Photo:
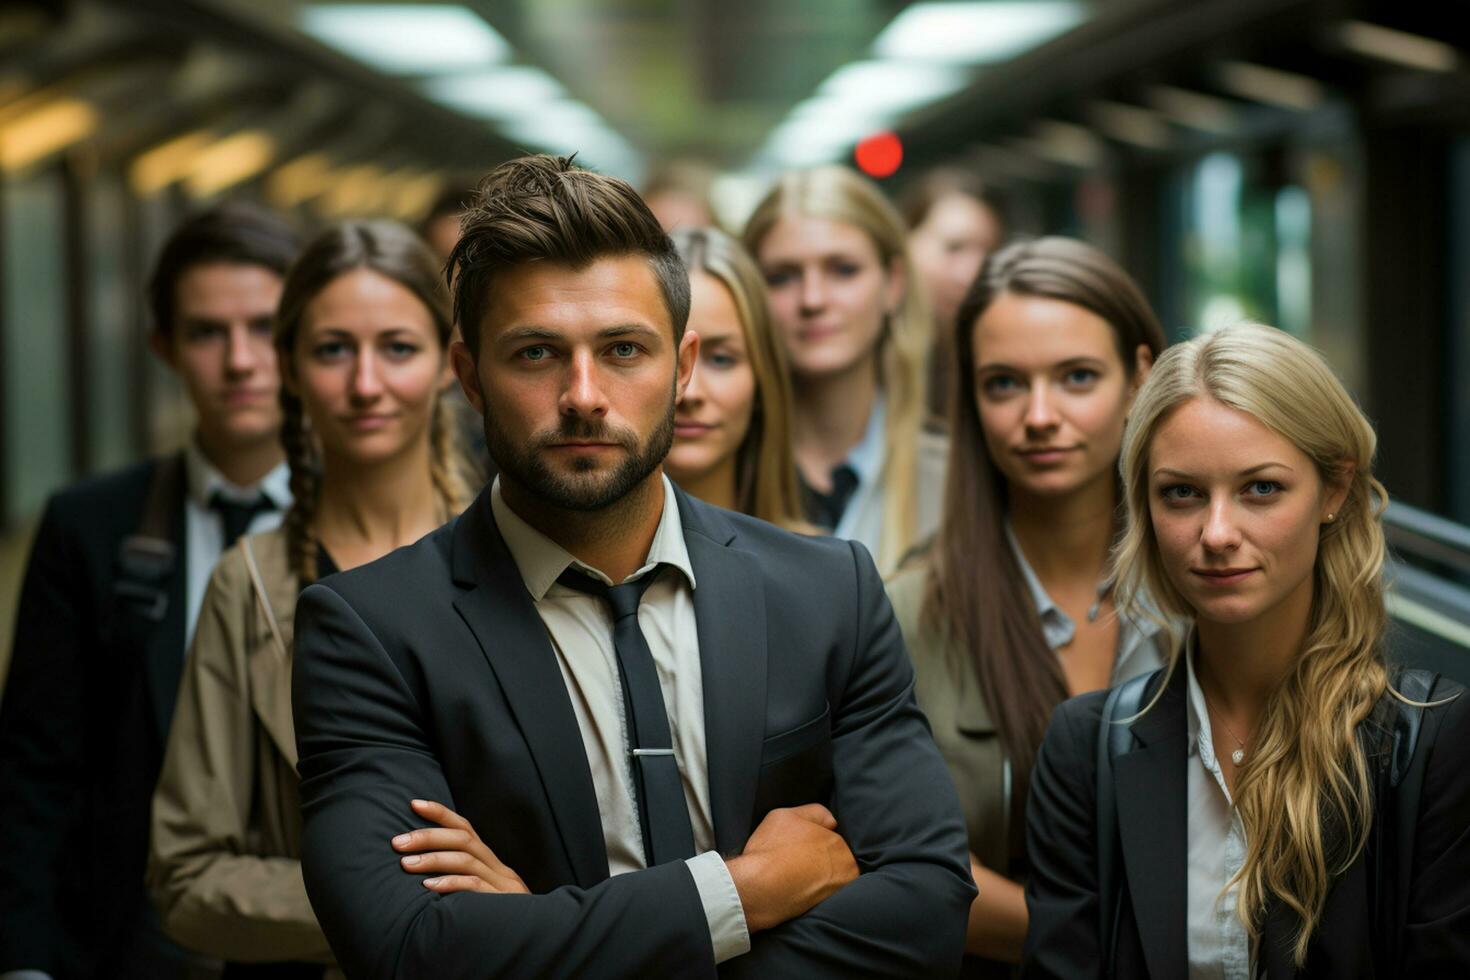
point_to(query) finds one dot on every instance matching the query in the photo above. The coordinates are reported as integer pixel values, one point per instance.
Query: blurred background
(1301, 162)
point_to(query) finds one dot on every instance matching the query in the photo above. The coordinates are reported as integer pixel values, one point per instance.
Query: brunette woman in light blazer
(362, 335)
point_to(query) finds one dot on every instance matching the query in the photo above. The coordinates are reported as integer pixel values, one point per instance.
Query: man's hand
(455, 857)
(793, 861)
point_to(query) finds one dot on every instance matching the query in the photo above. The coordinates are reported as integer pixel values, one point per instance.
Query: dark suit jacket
(429, 674)
(87, 704)
(1150, 787)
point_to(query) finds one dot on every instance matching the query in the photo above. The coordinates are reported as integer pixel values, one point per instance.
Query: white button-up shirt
(1219, 946)
(204, 528)
(581, 631)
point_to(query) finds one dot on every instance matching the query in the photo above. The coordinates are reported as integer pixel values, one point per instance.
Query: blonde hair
(1304, 795)
(838, 194)
(765, 467)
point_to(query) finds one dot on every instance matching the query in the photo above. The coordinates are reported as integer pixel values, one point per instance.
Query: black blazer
(429, 674)
(1150, 786)
(86, 710)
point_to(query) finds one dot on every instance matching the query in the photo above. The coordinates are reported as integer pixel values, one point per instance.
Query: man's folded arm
(364, 753)
(896, 806)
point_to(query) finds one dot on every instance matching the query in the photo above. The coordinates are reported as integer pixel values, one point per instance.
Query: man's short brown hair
(544, 208)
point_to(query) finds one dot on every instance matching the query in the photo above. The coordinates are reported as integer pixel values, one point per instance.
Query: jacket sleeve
(1436, 938)
(42, 741)
(366, 750)
(1061, 821)
(906, 913)
(212, 893)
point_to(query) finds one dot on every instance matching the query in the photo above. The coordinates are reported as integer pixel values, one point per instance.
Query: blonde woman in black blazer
(1270, 818)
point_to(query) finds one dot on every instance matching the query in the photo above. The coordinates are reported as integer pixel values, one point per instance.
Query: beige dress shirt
(581, 631)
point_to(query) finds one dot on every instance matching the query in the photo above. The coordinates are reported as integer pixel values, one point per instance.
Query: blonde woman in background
(856, 331)
(1269, 817)
(362, 334)
(732, 428)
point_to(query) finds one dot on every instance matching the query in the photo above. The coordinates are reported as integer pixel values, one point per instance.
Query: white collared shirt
(581, 631)
(1218, 944)
(866, 460)
(204, 529)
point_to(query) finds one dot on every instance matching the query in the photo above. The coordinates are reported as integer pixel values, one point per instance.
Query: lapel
(165, 644)
(730, 609)
(269, 664)
(1151, 786)
(502, 616)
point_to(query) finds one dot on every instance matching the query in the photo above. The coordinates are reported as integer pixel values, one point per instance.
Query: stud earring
(1331, 518)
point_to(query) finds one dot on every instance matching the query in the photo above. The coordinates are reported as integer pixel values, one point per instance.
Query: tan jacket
(224, 864)
(947, 688)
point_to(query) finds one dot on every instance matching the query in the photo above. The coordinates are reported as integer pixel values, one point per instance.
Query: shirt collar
(1057, 627)
(1197, 715)
(866, 458)
(203, 480)
(541, 560)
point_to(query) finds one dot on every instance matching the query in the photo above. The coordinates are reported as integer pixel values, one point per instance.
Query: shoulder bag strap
(260, 594)
(1113, 739)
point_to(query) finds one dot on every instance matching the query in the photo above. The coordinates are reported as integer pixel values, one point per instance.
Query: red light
(879, 155)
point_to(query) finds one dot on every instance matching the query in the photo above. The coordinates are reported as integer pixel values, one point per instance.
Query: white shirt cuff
(722, 909)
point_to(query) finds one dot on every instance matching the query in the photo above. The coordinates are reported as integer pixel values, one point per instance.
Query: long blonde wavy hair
(839, 194)
(1305, 794)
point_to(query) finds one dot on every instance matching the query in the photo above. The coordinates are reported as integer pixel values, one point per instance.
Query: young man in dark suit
(116, 577)
(673, 741)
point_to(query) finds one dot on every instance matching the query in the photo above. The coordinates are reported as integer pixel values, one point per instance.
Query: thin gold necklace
(1238, 756)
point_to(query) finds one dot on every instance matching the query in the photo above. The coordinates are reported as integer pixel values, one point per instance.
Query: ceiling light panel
(976, 33)
(892, 87)
(1271, 86)
(1399, 47)
(499, 94)
(407, 39)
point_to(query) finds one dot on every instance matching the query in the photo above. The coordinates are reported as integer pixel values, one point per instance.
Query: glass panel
(36, 381)
(108, 367)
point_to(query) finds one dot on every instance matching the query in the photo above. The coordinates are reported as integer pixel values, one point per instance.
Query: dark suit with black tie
(429, 675)
(87, 705)
(99, 651)
(1431, 939)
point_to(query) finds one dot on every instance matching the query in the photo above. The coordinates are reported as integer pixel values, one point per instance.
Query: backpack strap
(146, 559)
(1114, 738)
(1400, 786)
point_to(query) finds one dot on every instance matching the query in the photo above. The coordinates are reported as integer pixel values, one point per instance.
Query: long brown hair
(839, 194)
(391, 250)
(765, 466)
(976, 593)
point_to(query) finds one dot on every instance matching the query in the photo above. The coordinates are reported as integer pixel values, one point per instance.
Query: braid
(446, 459)
(306, 489)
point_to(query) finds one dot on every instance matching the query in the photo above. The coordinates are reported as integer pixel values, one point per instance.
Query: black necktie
(237, 515)
(662, 811)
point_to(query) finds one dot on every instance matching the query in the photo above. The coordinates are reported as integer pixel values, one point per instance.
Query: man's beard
(588, 490)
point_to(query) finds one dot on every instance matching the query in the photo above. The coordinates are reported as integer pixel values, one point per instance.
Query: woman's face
(1237, 511)
(1052, 393)
(949, 246)
(830, 292)
(368, 367)
(713, 417)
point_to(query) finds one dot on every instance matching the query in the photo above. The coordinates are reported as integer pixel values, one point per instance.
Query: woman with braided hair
(362, 334)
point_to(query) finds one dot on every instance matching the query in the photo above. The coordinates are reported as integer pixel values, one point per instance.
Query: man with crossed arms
(641, 736)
